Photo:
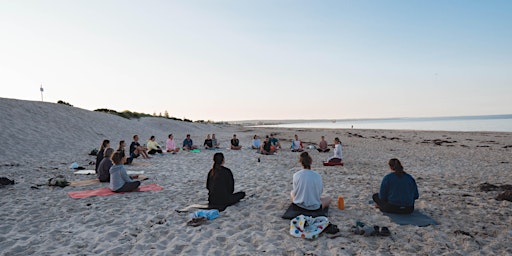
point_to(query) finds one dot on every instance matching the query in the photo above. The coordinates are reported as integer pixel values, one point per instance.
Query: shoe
(196, 221)
(384, 231)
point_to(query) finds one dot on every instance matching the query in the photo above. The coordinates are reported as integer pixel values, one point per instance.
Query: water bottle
(341, 203)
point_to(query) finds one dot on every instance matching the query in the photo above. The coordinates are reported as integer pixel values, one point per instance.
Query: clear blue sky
(240, 60)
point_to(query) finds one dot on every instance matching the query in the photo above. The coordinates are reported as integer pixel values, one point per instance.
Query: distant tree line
(129, 114)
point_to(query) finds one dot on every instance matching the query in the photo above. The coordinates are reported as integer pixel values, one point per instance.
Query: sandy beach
(41, 140)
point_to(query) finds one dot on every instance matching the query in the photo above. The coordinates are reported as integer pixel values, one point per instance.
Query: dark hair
(305, 160)
(218, 158)
(104, 144)
(169, 136)
(152, 137)
(396, 166)
(135, 136)
(120, 145)
(117, 157)
(337, 139)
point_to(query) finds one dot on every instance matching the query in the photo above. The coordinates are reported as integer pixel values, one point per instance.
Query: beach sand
(41, 140)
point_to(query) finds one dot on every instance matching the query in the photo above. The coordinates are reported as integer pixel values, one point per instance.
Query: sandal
(384, 231)
(196, 221)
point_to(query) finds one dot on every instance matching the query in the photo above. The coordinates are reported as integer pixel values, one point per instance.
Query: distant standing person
(221, 185)
(235, 143)
(101, 152)
(119, 179)
(308, 187)
(153, 146)
(322, 145)
(398, 190)
(170, 145)
(337, 157)
(136, 149)
(188, 144)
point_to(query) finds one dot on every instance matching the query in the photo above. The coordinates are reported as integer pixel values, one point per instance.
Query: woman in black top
(221, 185)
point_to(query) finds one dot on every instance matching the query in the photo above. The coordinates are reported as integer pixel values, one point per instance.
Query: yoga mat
(108, 192)
(294, 211)
(416, 218)
(193, 207)
(87, 172)
(81, 183)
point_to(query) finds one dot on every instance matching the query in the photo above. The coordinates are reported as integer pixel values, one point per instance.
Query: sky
(266, 59)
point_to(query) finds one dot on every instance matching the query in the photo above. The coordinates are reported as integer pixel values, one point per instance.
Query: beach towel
(308, 227)
(108, 192)
(88, 172)
(294, 211)
(81, 183)
(416, 218)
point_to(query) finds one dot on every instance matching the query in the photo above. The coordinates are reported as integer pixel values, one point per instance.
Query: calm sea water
(495, 123)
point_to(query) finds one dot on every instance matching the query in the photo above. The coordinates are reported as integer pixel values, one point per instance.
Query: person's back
(307, 189)
(104, 166)
(401, 191)
(220, 185)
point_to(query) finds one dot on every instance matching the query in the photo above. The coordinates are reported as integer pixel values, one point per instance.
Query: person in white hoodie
(119, 179)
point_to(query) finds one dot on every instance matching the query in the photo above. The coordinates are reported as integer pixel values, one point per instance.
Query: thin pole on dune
(42, 90)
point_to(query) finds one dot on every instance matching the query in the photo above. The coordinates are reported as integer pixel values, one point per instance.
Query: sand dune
(40, 140)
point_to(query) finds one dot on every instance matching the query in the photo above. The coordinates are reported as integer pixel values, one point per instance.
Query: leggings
(391, 208)
(129, 186)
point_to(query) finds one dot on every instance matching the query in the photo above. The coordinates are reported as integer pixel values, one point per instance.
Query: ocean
(491, 123)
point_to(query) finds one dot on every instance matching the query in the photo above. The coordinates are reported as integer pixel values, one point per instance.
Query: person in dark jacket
(398, 190)
(221, 185)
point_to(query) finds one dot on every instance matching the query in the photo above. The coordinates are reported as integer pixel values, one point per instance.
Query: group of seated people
(110, 165)
(397, 194)
(398, 190)
(269, 146)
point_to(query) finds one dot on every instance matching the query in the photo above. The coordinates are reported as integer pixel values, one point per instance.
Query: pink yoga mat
(108, 192)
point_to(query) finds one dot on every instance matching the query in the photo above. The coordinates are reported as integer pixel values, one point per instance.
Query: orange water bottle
(341, 203)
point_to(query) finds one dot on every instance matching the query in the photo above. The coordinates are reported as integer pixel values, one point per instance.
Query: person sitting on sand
(170, 145)
(188, 144)
(308, 187)
(153, 146)
(256, 142)
(337, 157)
(121, 147)
(398, 190)
(266, 148)
(297, 144)
(235, 143)
(101, 152)
(104, 167)
(221, 185)
(208, 143)
(119, 179)
(322, 146)
(275, 142)
(136, 149)
(215, 143)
